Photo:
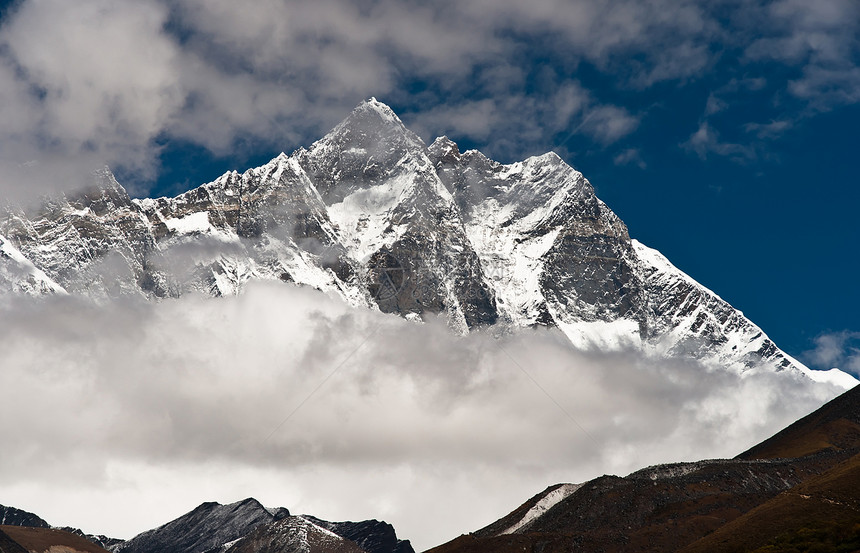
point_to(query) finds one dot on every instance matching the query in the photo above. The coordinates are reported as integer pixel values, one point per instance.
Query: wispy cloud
(773, 129)
(706, 142)
(818, 37)
(630, 156)
(836, 349)
(517, 123)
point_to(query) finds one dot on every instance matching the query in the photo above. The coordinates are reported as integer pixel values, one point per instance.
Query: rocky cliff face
(206, 528)
(10, 516)
(373, 536)
(305, 534)
(95, 243)
(371, 214)
(292, 535)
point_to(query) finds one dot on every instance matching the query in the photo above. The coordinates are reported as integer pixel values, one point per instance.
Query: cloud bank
(129, 413)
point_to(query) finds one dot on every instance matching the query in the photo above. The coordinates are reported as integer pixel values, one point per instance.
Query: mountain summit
(371, 214)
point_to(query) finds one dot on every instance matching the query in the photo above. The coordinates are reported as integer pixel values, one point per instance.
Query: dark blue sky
(723, 132)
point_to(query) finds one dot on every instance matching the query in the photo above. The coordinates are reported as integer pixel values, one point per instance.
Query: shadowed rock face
(248, 527)
(373, 536)
(10, 516)
(307, 534)
(371, 214)
(206, 528)
(292, 535)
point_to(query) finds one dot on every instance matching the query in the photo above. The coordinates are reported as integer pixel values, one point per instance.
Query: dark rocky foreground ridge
(371, 214)
(796, 491)
(242, 527)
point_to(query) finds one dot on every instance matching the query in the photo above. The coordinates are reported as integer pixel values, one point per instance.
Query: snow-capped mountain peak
(369, 213)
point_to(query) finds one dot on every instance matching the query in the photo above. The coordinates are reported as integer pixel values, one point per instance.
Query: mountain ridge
(372, 215)
(244, 526)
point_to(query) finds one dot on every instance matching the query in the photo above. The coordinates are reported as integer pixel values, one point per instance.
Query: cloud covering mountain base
(123, 414)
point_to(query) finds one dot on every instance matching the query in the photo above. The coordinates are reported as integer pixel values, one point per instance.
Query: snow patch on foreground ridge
(542, 506)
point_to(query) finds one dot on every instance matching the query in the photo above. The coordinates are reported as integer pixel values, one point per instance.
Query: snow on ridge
(35, 280)
(542, 506)
(362, 218)
(834, 376)
(315, 526)
(198, 223)
(746, 339)
(512, 266)
(601, 335)
(193, 222)
(658, 261)
(380, 108)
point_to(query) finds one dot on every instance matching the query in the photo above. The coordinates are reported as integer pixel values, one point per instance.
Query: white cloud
(129, 413)
(606, 124)
(630, 156)
(820, 38)
(706, 142)
(770, 130)
(515, 124)
(836, 349)
(827, 88)
(93, 79)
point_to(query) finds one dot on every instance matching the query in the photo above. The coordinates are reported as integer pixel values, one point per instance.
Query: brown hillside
(835, 426)
(821, 514)
(44, 540)
(8, 545)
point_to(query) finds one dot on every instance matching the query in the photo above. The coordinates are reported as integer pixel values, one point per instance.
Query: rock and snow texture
(207, 528)
(10, 516)
(542, 506)
(371, 214)
(248, 527)
(19, 275)
(373, 536)
(296, 534)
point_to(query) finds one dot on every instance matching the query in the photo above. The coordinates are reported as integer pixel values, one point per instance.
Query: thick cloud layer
(121, 416)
